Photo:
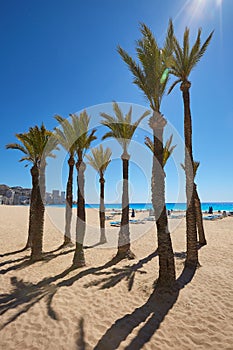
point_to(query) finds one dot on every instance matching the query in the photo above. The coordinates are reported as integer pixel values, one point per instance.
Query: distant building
(63, 197)
(14, 195)
(48, 198)
(18, 195)
(56, 197)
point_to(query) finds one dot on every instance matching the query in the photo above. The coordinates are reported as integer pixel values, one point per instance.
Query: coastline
(180, 207)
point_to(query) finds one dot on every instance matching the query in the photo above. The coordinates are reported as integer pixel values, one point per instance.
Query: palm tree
(84, 138)
(100, 160)
(67, 137)
(151, 76)
(122, 129)
(199, 219)
(184, 60)
(36, 148)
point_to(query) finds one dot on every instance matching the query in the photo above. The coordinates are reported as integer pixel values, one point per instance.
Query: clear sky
(59, 57)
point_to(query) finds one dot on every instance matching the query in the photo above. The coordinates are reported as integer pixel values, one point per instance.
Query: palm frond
(99, 158)
(173, 85)
(167, 149)
(16, 146)
(121, 129)
(184, 59)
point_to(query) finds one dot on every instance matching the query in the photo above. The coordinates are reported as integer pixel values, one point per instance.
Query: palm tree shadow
(93, 245)
(152, 312)
(11, 261)
(25, 294)
(25, 261)
(13, 253)
(116, 275)
(80, 342)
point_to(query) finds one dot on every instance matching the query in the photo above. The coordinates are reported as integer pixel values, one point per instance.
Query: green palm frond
(168, 47)
(173, 85)
(34, 143)
(109, 134)
(151, 74)
(138, 74)
(65, 135)
(82, 136)
(121, 127)
(167, 149)
(184, 58)
(99, 158)
(17, 146)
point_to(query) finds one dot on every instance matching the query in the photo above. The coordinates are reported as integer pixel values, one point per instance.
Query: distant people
(224, 214)
(169, 212)
(133, 213)
(210, 210)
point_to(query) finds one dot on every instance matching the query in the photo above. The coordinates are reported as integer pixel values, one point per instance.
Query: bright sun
(197, 10)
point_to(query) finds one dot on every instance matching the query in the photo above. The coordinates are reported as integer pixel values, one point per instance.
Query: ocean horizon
(227, 206)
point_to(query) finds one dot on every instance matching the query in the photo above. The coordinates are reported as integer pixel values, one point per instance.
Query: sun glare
(196, 11)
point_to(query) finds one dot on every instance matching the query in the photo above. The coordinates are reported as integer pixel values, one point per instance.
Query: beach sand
(47, 306)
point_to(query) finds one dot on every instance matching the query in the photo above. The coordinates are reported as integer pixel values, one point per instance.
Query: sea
(217, 206)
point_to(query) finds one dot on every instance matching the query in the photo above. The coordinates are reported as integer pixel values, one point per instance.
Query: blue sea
(227, 206)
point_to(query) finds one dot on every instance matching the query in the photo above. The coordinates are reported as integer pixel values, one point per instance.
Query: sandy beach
(103, 306)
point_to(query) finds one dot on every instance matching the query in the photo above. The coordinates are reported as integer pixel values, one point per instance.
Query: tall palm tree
(99, 160)
(184, 60)
(151, 76)
(84, 138)
(34, 145)
(66, 137)
(122, 129)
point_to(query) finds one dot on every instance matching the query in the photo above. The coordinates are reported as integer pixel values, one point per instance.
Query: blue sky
(59, 57)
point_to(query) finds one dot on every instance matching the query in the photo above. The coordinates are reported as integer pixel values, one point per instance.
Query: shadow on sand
(116, 275)
(25, 261)
(25, 294)
(152, 313)
(80, 342)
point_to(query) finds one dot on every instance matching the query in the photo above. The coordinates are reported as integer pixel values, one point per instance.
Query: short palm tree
(151, 76)
(122, 129)
(184, 60)
(99, 160)
(199, 218)
(66, 137)
(167, 150)
(36, 148)
(198, 211)
(84, 138)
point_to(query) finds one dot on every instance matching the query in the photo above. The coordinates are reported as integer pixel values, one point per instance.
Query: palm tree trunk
(42, 179)
(79, 259)
(69, 202)
(32, 215)
(37, 220)
(165, 251)
(124, 235)
(102, 210)
(191, 229)
(199, 219)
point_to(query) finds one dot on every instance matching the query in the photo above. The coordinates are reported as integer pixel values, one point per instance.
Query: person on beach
(210, 210)
(133, 213)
